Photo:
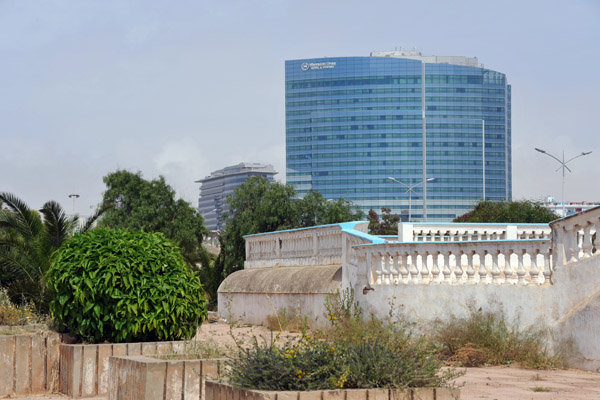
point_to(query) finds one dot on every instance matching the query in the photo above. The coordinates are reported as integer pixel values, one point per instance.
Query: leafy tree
(142, 205)
(256, 206)
(314, 209)
(27, 242)
(508, 212)
(388, 225)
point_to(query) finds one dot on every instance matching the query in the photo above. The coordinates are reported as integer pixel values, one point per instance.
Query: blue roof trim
(349, 229)
(343, 225)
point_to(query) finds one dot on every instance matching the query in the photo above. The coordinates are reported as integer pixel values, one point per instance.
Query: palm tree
(27, 242)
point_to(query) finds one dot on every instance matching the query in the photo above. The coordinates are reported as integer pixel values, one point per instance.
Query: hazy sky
(182, 88)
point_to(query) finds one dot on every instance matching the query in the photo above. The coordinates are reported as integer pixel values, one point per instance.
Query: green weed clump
(121, 286)
(287, 320)
(355, 353)
(486, 338)
(15, 315)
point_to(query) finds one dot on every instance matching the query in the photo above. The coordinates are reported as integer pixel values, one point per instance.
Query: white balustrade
(306, 246)
(453, 232)
(575, 237)
(506, 262)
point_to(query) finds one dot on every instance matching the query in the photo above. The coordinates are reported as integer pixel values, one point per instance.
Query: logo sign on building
(323, 65)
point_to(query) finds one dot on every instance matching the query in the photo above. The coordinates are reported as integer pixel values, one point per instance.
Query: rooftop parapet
(416, 55)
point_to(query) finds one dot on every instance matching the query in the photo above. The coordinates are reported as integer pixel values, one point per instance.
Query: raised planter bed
(29, 362)
(142, 377)
(84, 367)
(221, 391)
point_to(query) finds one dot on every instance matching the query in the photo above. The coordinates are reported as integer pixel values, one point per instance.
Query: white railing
(575, 237)
(456, 232)
(319, 245)
(514, 262)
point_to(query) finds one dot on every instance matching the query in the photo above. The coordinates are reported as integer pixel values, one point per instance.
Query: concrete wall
(255, 308)
(221, 391)
(141, 377)
(29, 363)
(253, 295)
(84, 368)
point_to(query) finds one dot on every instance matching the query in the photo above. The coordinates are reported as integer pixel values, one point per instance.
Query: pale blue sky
(182, 88)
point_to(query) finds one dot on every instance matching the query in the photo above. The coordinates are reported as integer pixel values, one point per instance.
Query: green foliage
(388, 225)
(124, 286)
(26, 244)
(508, 212)
(485, 337)
(142, 205)
(354, 356)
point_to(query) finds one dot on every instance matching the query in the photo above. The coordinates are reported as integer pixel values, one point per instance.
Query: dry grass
(290, 321)
(486, 338)
(541, 389)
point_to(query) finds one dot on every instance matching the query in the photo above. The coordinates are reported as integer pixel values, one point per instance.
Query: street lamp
(410, 191)
(74, 196)
(563, 165)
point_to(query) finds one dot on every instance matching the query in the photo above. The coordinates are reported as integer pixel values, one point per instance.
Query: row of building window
(333, 193)
(368, 127)
(406, 99)
(398, 108)
(438, 181)
(393, 145)
(486, 78)
(394, 162)
(403, 135)
(400, 171)
(387, 117)
(353, 92)
(433, 153)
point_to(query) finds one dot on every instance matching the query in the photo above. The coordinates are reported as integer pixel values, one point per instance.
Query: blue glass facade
(351, 122)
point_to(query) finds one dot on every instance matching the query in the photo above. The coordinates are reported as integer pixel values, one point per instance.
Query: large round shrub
(124, 286)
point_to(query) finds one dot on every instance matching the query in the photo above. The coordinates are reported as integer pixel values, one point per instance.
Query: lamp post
(410, 191)
(563, 166)
(74, 196)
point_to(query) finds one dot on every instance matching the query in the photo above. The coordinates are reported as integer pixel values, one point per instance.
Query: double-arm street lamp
(74, 196)
(563, 166)
(409, 190)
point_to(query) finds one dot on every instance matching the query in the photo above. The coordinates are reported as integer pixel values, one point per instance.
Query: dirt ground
(501, 383)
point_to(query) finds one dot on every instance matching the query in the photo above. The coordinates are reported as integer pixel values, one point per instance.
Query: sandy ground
(501, 383)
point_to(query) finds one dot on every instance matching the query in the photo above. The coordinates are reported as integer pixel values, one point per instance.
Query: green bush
(317, 364)
(124, 286)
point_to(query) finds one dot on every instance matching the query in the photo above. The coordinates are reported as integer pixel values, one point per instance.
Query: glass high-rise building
(352, 122)
(214, 189)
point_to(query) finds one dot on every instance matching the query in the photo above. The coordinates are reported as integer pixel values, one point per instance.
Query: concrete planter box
(141, 377)
(221, 391)
(84, 368)
(29, 363)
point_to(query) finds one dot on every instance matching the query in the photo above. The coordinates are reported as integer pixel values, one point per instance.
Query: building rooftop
(417, 55)
(240, 168)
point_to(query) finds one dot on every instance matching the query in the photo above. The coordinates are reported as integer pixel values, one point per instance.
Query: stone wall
(141, 377)
(29, 363)
(221, 391)
(84, 368)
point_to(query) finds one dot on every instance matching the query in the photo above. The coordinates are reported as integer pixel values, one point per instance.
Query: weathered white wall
(254, 308)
